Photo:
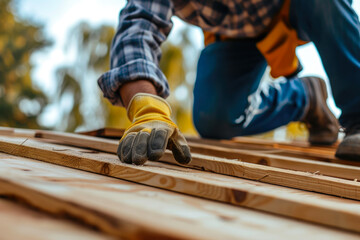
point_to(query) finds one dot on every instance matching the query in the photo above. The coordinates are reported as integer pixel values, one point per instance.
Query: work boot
(349, 148)
(321, 122)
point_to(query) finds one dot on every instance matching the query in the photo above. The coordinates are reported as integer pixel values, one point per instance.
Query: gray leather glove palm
(151, 132)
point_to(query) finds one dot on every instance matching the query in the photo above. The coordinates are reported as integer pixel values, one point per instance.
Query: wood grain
(293, 203)
(105, 133)
(19, 222)
(298, 145)
(338, 170)
(110, 198)
(19, 132)
(306, 180)
(301, 150)
(243, 149)
(286, 151)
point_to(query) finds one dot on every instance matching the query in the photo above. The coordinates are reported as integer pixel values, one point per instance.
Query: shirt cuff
(111, 81)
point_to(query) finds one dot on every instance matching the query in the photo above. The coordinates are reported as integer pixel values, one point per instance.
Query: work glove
(151, 132)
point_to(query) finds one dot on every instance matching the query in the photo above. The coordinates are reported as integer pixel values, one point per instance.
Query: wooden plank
(19, 132)
(205, 219)
(300, 144)
(305, 146)
(87, 204)
(294, 149)
(289, 152)
(328, 169)
(294, 203)
(114, 133)
(295, 179)
(78, 140)
(19, 222)
(339, 170)
(105, 133)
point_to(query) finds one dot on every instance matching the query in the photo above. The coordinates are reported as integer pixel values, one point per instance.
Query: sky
(60, 16)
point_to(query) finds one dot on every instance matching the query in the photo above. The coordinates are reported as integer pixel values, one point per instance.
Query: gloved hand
(151, 132)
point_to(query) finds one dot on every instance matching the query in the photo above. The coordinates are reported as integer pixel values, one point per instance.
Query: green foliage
(77, 80)
(173, 64)
(20, 102)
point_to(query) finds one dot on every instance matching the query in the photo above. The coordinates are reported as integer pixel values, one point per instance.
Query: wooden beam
(339, 170)
(19, 132)
(105, 133)
(107, 200)
(19, 222)
(299, 145)
(286, 151)
(294, 149)
(85, 203)
(310, 179)
(272, 143)
(195, 142)
(294, 203)
(78, 140)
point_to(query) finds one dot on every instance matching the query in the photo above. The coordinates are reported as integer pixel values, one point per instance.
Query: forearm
(129, 89)
(135, 51)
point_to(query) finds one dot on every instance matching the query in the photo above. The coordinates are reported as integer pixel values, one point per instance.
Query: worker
(242, 38)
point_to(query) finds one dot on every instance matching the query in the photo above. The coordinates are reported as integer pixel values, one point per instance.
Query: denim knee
(215, 124)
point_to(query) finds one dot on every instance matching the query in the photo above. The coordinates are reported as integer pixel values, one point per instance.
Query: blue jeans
(228, 101)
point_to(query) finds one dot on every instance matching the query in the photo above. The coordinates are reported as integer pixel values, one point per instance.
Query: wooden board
(296, 179)
(302, 150)
(105, 132)
(19, 222)
(238, 150)
(292, 149)
(293, 203)
(299, 145)
(292, 152)
(128, 208)
(339, 170)
(19, 132)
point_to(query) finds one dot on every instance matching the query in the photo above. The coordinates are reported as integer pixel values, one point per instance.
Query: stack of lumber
(72, 186)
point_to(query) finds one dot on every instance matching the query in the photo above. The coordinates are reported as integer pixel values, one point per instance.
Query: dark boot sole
(349, 149)
(352, 157)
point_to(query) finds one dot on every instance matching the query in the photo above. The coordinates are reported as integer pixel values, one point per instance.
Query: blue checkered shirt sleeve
(135, 51)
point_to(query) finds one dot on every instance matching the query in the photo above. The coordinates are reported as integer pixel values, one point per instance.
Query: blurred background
(52, 52)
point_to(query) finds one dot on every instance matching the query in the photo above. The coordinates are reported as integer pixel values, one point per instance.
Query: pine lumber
(57, 189)
(300, 144)
(294, 152)
(20, 222)
(19, 132)
(310, 181)
(114, 133)
(317, 208)
(117, 133)
(338, 170)
(301, 150)
(105, 133)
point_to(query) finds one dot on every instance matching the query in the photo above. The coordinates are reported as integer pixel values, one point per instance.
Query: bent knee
(214, 126)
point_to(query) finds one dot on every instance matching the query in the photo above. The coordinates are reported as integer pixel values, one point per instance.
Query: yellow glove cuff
(145, 107)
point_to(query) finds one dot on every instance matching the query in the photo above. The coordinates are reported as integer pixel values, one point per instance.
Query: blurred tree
(179, 68)
(20, 101)
(77, 81)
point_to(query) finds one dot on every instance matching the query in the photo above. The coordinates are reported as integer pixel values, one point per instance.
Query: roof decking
(239, 189)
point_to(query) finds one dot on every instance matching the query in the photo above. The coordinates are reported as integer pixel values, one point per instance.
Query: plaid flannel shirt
(145, 24)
